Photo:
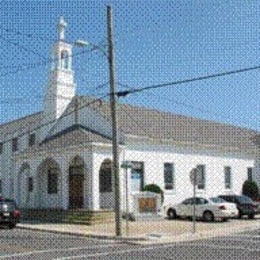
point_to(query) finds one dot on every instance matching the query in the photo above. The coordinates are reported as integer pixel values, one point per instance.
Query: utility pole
(115, 139)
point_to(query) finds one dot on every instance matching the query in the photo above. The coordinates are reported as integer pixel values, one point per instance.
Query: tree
(250, 189)
(154, 188)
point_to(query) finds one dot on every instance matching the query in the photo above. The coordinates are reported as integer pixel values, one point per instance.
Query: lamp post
(113, 106)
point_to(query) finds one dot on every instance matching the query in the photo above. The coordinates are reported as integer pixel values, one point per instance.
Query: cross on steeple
(61, 28)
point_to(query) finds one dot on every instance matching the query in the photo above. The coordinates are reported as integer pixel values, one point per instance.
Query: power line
(28, 66)
(28, 35)
(53, 121)
(22, 47)
(13, 100)
(178, 82)
(179, 103)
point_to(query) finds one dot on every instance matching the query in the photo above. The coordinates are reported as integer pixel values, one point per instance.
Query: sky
(156, 42)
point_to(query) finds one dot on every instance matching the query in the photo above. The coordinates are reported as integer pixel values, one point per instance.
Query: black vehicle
(9, 214)
(244, 204)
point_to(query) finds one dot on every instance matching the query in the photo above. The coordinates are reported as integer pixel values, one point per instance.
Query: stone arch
(77, 177)
(48, 183)
(107, 197)
(23, 188)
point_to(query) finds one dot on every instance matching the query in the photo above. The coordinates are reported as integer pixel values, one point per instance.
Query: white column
(94, 180)
(15, 175)
(64, 186)
(33, 194)
(95, 190)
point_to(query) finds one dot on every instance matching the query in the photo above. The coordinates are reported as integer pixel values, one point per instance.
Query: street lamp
(113, 98)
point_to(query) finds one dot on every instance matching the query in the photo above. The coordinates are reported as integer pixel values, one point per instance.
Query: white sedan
(207, 209)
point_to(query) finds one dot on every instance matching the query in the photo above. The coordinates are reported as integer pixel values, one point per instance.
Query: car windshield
(7, 205)
(217, 200)
(244, 199)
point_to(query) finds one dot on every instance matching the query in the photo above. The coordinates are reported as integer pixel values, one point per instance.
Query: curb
(99, 236)
(154, 238)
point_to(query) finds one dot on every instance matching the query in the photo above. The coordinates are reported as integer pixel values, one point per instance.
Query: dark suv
(9, 214)
(244, 204)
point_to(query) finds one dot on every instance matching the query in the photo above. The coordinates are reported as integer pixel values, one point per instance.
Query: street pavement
(23, 244)
(148, 232)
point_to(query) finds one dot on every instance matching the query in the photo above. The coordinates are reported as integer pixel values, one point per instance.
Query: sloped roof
(73, 136)
(21, 125)
(144, 122)
(141, 121)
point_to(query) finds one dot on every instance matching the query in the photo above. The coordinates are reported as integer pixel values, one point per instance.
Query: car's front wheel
(208, 216)
(251, 216)
(171, 213)
(12, 225)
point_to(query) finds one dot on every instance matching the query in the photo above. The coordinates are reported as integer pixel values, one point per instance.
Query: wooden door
(76, 197)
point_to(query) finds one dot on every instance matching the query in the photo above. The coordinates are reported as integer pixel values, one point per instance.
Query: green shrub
(250, 189)
(154, 188)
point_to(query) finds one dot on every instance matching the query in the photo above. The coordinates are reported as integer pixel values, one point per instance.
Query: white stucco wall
(184, 160)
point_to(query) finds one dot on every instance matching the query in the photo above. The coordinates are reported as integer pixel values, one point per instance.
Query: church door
(76, 188)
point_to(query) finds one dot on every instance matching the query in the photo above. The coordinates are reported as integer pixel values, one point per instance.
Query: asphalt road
(25, 244)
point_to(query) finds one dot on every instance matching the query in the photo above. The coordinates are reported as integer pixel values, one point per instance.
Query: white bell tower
(61, 86)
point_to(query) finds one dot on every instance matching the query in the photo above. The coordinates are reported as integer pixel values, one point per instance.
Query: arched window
(105, 177)
(52, 180)
(64, 59)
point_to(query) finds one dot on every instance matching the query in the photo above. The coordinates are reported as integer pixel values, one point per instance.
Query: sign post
(126, 165)
(194, 181)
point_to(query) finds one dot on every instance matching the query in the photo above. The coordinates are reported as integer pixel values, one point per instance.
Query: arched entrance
(23, 188)
(107, 196)
(48, 184)
(76, 183)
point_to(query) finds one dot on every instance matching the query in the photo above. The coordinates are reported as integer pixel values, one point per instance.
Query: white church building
(60, 158)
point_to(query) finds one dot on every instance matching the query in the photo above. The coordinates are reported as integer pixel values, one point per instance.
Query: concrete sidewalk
(151, 231)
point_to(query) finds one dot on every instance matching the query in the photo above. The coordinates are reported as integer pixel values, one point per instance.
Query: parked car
(207, 209)
(9, 213)
(244, 204)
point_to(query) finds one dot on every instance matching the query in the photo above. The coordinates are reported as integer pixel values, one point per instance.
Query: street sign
(126, 165)
(193, 176)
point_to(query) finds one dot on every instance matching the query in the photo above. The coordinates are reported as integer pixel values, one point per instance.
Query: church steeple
(61, 86)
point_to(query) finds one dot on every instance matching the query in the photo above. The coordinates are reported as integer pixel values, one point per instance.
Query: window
(227, 173)
(65, 59)
(14, 144)
(1, 188)
(31, 140)
(105, 177)
(30, 184)
(1, 147)
(201, 176)
(53, 180)
(137, 176)
(249, 173)
(168, 176)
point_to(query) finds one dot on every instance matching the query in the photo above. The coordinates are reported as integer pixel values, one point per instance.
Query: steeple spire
(61, 86)
(61, 28)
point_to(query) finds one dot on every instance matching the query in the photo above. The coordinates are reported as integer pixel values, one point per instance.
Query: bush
(250, 189)
(154, 188)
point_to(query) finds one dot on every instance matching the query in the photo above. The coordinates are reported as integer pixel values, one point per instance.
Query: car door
(183, 208)
(201, 204)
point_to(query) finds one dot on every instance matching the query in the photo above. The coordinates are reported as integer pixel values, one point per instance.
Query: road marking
(154, 248)
(246, 248)
(57, 250)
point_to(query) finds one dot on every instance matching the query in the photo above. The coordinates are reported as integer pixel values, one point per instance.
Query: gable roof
(21, 125)
(143, 122)
(73, 136)
(158, 125)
